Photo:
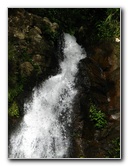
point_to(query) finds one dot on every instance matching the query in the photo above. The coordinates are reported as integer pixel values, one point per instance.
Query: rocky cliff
(33, 57)
(32, 48)
(97, 105)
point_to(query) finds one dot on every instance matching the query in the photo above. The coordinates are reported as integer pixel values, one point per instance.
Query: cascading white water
(44, 130)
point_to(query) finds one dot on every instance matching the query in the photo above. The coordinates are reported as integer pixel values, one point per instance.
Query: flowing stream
(45, 129)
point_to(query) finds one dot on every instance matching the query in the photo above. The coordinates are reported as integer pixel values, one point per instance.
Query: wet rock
(99, 80)
(38, 30)
(47, 21)
(90, 76)
(26, 68)
(115, 116)
(114, 90)
(34, 34)
(92, 87)
(81, 30)
(101, 55)
(33, 42)
(19, 34)
(97, 135)
(37, 59)
(54, 27)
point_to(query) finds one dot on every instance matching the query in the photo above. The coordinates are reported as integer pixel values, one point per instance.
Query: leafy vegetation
(109, 28)
(97, 117)
(12, 93)
(15, 86)
(14, 110)
(98, 23)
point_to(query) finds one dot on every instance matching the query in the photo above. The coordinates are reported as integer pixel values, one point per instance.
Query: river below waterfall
(45, 129)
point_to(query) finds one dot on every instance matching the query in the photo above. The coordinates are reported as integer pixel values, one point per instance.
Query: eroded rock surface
(32, 55)
(98, 82)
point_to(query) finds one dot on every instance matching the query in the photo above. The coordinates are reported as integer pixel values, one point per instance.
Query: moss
(13, 110)
(97, 116)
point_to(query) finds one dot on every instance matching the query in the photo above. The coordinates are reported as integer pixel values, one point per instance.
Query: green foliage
(97, 117)
(49, 33)
(99, 23)
(114, 151)
(15, 83)
(109, 28)
(70, 19)
(12, 59)
(25, 56)
(15, 87)
(11, 52)
(14, 92)
(37, 69)
(13, 110)
(12, 64)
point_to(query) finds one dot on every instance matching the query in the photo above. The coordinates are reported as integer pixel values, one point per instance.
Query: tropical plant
(97, 116)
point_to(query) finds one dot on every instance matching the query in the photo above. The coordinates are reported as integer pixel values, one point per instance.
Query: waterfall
(45, 129)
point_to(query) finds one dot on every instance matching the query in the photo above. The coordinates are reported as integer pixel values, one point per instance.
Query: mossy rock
(14, 110)
(26, 68)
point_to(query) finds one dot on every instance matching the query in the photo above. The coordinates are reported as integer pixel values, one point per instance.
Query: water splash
(44, 130)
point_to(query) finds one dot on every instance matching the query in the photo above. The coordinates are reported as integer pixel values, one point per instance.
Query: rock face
(32, 54)
(26, 68)
(111, 71)
(33, 57)
(98, 83)
(92, 89)
(28, 35)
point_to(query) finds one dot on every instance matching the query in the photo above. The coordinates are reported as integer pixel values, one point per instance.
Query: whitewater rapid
(44, 131)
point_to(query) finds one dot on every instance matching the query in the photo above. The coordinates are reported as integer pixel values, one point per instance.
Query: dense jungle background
(34, 52)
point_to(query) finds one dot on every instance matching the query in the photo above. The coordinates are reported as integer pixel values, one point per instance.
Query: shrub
(109, 28)
(14, 92)
(13, 110)
(97, 117)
